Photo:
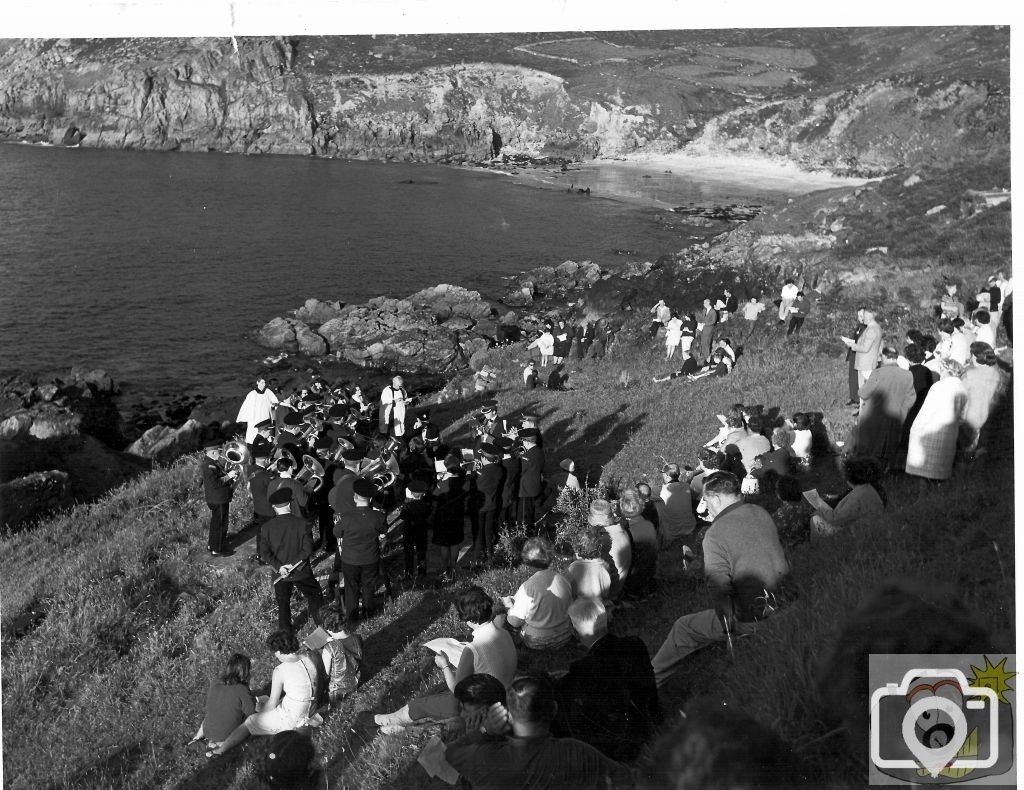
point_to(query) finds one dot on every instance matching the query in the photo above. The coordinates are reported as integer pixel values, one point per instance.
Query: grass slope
(105, 690)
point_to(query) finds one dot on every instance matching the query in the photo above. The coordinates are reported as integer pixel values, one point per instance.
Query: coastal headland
(114, 615)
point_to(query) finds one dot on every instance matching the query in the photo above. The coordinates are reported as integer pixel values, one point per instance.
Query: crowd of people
(328, 461)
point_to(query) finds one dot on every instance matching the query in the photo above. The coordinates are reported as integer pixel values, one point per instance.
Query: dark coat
(216, 488)
(531, 476)
(489, 483)
(888, 395)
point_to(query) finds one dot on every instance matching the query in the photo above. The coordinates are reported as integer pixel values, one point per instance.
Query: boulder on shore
(25, 499)
(163, 444)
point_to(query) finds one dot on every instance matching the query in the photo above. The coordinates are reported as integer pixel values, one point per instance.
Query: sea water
(158, 266)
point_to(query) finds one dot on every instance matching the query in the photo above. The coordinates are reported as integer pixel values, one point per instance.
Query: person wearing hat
(450, 514)
(509, 501)
(617, 549)
(745, 566)
(286, 545)
(530, 375)
(284, 473)
(531, 477)
(218, 488)
(259, 405)
(421, 425)
(415, 515)
(572, 482)
(264, 431)
(358, 532)
(340, 497)
(259, 483)
(393, 399)
(489, 483)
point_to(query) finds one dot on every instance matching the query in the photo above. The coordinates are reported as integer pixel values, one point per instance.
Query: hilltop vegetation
(862, 100)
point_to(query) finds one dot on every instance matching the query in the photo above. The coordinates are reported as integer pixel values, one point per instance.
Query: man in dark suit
(259, 480)
(531, 476)
(706, 325)
(608, 698)
(286, 546)
(358, 531)
(218, 487)
(489, 483)
(510, 489)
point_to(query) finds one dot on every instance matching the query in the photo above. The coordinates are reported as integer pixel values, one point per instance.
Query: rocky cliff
(865, 100)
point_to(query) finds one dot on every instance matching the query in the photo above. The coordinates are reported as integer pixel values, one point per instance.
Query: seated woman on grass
(862, 506)
(491, 652)
(228, 702)
(781, 459)
(589, 574)
(540, 606)
(293, 696)
(689, 368)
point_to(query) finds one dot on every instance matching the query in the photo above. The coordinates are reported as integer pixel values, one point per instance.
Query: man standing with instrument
(393, 399)
(286, 546)
(218, 487)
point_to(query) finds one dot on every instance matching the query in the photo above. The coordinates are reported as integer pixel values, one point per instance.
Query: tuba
(383, 480)
(314, 424)
(311, 476)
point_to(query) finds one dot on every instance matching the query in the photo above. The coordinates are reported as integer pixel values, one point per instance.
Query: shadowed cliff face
(863, 101)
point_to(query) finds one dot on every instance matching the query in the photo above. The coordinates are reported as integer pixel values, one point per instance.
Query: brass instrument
(284, 453)
(314, 424)
(236, 453)
(383, 480)
(311, 476)
(341, 444)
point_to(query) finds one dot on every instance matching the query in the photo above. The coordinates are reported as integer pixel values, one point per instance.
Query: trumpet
(311, 476)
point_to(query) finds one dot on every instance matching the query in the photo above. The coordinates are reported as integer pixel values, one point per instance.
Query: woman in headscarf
(933, 436)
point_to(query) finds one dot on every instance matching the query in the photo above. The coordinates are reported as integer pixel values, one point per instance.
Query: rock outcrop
(58, 443)
(852, 100)
(551, 282)
(163, 444)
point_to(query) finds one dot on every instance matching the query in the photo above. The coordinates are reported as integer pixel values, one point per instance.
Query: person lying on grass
(515, 747)
(228, 702)
(491, 652)
(293, 696)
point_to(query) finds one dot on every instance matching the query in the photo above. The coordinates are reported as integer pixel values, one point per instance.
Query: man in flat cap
(286, 546)
(218, 487)
(531, 476)
(258, 406)
(359, 531)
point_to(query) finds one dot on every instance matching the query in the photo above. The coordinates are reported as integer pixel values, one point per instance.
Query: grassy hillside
(107, 683)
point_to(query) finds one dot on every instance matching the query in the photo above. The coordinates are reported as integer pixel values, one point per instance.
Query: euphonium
(311, 476)
(341, 444)
(383, 480)
(236, 453)
(313, 426)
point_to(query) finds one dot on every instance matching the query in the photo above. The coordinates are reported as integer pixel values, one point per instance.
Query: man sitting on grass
(744, 565)
(608, 698)
(516, 748)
